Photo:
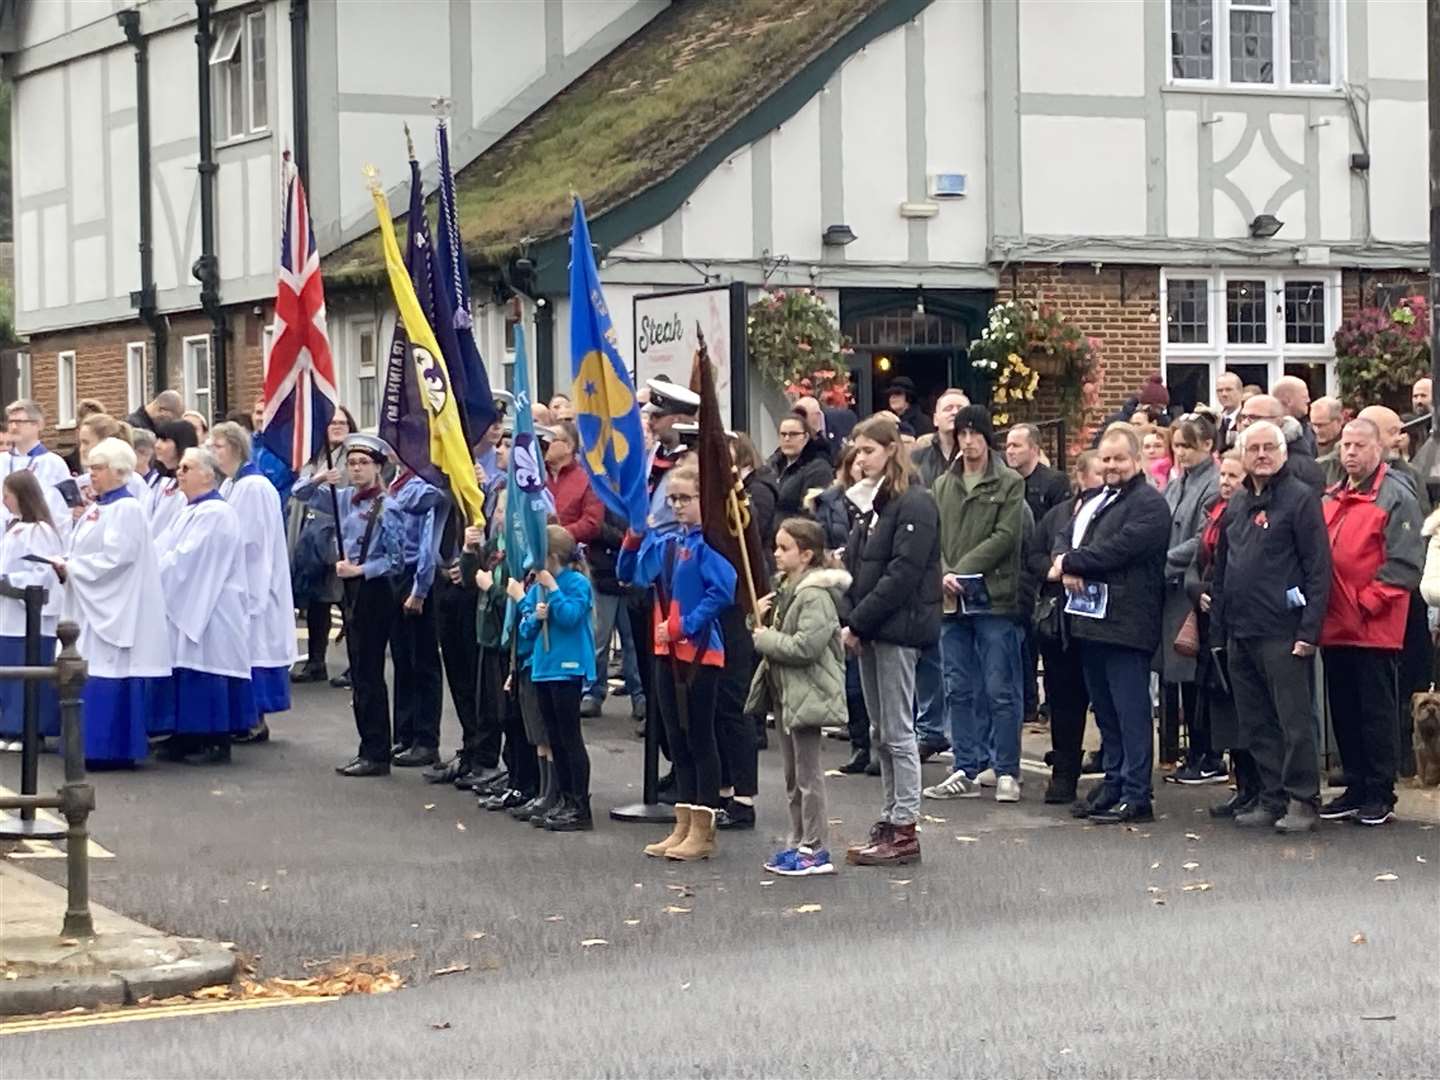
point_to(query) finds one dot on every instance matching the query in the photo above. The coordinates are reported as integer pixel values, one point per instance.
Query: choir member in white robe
(172, 439)
(202, 573)
(23, 420)
(31, 533)
(146, 470)
(112, 589)
(267, 572)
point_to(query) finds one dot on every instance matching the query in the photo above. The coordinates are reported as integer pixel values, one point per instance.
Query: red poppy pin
(1262, 520)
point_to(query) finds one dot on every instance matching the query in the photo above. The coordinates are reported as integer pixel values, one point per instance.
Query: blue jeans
(986, 696)
(930, 697)
(1118, 679)
(606, 621)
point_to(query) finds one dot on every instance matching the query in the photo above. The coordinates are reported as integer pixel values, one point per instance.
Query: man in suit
(1227, 392)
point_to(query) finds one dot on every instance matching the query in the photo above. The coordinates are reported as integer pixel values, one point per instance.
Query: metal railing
(75, 798)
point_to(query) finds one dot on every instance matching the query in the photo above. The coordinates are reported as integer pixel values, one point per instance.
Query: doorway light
(883, 363)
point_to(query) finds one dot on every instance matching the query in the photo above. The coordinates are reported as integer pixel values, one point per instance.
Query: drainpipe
(144, 299)
(299, 82)
(207, 268)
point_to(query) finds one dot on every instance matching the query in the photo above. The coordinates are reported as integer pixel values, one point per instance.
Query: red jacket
(1376, 555)
(577, 508)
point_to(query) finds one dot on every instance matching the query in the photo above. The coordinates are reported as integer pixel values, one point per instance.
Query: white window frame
(367, 373)
(1275, 353)
(199, 399)
(135, 358)
(23, 374)
(1220, 52)
(65, 379)
(232, 67)
(267, 346)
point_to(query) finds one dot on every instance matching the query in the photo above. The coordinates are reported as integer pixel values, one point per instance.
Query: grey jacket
(801, 676)
(1189, 496)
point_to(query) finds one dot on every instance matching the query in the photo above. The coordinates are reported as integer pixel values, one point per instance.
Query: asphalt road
(1032, 949)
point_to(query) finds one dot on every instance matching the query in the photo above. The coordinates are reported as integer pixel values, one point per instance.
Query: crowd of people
(937, 586)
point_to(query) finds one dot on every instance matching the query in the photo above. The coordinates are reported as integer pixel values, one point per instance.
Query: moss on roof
(629, 123)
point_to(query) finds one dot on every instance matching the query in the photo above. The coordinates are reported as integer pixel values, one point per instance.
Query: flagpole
(739, 521)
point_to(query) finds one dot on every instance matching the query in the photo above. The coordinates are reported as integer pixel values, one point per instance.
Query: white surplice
(166, 505)
(202, 574)
(267, 570)
(50, 469)
(30, 538)
(113, 591)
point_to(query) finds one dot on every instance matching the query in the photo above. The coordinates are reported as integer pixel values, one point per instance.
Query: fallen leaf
(476, 935)
(1190, 866)
(441, 1027)
(1154, 890)
(69, 941)
(806, 909)
(639, 885)
(764, 884)
(1192, 836)
(968, 839)
(1421, 859)
(590, 942)
(453, 969)
(1197, 886)
(414, 926)
(1387, 877)
(1154, 866)
(1359, 939)
(264, 888)
(672, 909)
(281, 872)
(554, 918)
(632, 922)
(429, 806)
(1066, 1050)
(932, 820)
(212, 993)
(684, 986)
(833, 772)
(901, 881)
(216, 791)
(683, 890)
(836, 821)
(1379, 1016)
(460, 825)
(1158, 901)
(1426, 828)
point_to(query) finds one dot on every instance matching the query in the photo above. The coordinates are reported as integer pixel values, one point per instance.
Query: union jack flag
(300, 396)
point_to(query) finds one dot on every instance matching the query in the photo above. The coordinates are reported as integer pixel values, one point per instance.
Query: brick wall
(100, 362)
(1359, 288)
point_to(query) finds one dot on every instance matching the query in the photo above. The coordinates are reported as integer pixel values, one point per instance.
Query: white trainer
(986, 778)
(955, 786)
(1007, 789)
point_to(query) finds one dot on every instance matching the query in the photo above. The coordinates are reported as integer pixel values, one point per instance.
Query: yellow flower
(1002, 418)
(1013, 359)
(1001, 394)
(1034, 381)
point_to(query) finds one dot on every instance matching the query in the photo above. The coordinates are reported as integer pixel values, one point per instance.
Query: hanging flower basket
(1380, 352)
(793, 337)
(1024, 347)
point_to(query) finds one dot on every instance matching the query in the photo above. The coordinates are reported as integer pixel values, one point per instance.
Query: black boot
(527, 809)
(1247, 788)
(547, 804)
(1060, 790)
(572, 815)
(858, 763)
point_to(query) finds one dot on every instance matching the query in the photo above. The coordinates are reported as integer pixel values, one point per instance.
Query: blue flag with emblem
(613, 442)
(528, 505)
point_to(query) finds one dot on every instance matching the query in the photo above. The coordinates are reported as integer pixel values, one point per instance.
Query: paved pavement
(1034, 946)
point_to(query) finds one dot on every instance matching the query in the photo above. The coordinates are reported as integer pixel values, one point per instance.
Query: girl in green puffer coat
(801, 679)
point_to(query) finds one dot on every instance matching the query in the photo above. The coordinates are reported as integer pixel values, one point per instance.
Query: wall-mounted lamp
(1265, 226)
(838, 235)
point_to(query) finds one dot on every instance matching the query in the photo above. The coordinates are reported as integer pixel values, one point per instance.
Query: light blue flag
(527, 501)
(606, 413)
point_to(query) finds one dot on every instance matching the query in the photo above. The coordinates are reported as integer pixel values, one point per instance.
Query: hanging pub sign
(665, 341)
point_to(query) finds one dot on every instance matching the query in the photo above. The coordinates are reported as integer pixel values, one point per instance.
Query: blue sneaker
(808, 864)
(782, 862)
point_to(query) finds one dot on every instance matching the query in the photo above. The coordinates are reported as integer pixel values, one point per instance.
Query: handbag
(1049, 618)
(1187, 639)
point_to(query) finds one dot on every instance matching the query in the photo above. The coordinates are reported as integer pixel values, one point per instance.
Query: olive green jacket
(801, 677)
(981, 529)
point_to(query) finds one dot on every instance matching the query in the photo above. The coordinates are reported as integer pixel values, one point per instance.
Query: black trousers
(1030, 668)
(1362, 687)
(857, 717)
(317, 632)
(1069, 701)
(560, 706)
(692, 737)
(521, 761)
(642, 631)
(735, 733)
(455, 627)
(371, 616)
(419, 685)
(492, 711)
(1179, 706)
(1417, 672)
(1271, 687)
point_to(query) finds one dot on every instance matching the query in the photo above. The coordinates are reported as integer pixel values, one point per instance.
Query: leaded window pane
(1305, 313)
(1252, 46)
(1245, 312)
(1187, 310)
(1192, 39)
(1310, 41)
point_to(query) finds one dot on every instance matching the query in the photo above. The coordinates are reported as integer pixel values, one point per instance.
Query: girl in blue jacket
(555, 617)
(694, 584)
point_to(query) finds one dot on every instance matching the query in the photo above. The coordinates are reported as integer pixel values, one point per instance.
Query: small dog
(1425, 713)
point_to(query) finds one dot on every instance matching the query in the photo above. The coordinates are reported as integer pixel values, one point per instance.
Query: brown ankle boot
(901, 847)
(677, 834)
(699, 842)
(878, 832)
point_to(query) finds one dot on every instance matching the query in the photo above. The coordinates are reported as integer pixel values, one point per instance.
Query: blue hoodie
(571, 652)
(697, 586)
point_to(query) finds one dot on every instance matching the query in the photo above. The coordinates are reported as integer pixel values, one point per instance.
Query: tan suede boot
(677, 834)
(699, 843)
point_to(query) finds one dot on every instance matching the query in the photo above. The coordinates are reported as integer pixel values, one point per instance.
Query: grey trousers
(805, 787)
(1271, 687)
(887, 679)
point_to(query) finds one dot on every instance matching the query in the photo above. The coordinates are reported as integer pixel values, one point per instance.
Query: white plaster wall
(27, 262)
(955, 125)
(87, 194)
(513, 33)
(718, 214)
(1335, 180)
(367, 36)
(174, 97)
(39, 154)
(175, 199)
(90, 261)
(264, 218)
(41, 22)
(125, 224)
(1399, 165)
(1082, 176)
(120, 78)
(1395, 30)
(585, 18)
(379, 141)
(872, 84)
(1070, 47)
(1182, 173)
(55, 257)
(795, 225)
(230, 219)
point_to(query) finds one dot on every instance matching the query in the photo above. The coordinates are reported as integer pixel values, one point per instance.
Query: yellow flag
(447, 438)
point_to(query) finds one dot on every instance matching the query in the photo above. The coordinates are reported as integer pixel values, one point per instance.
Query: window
(197, 375)
(1258, 324)
(22, 375)
(267, 346)
(65, 390)
(135, 374)
(368, 381)
(511, 322)
(1254, 43)
(238, 67)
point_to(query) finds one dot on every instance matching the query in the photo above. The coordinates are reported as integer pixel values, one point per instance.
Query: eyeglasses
(680, 500)
(791, 434)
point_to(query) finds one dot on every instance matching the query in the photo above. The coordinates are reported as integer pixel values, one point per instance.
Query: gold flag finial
(372, 178)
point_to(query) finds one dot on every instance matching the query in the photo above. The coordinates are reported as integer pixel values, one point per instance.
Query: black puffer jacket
(1124, 546)
(763, 493)
(812, 469)
(836, 515)
(893, 555)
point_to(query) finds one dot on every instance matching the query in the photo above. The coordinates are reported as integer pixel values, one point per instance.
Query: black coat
(812, 469)
(836, 515)
(893, 555)
(762, 491)
(1045, 488)
(917, 420)
(601, 555)
(1124, 547)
